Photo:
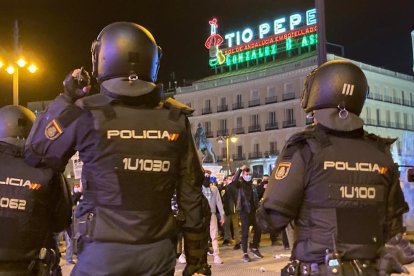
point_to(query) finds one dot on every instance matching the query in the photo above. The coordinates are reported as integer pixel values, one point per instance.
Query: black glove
(191, 269)
(396, 253)
(263, 220)
(76, 84)
(196, 247)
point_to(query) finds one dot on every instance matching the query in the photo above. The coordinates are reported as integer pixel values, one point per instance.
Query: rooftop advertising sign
(283, 34)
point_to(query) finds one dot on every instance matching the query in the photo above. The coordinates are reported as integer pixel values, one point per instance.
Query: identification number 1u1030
(147, 165)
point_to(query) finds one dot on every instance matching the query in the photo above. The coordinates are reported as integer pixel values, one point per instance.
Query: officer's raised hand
(77, 84)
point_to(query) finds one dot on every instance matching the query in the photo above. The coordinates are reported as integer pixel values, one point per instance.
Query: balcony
(289, 123)
(255, 155)
(255, 102)
(387, 99)
(239, 130)
(255, 128)
(269, 100)
(223, 132)
(206, 110)
(238, 105)
(222, 108)
(288, 96)
(271, 153)
(238, 156)
(271, 125)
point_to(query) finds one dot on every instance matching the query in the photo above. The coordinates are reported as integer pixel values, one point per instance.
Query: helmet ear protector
(95, 52)
(306, 88)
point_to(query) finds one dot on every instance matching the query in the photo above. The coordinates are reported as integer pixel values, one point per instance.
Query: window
(239, 99)
(254, 95)
(254, 120)
(256, 148)
(239, 122)
(289, 115)
(207, 128)
(223, 101)
(405, 116)
(397, 119)
(289, 88)
(272, 118)
(207, 104)
(273, 147)
(223, 124)
(271, 92)
(388, 118)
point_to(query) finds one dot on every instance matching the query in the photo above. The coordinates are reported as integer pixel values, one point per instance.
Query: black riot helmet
(127, 51)
(15, 121)
(336, 83)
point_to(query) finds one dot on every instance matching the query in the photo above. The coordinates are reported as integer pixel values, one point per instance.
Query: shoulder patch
(282, 170)
(53, 130)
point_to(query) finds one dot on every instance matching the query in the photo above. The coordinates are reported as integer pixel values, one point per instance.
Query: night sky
(59, 33)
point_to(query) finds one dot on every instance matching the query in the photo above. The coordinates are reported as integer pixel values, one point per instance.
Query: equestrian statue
(204, 146)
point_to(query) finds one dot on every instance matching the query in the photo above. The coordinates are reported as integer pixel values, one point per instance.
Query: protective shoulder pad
(382, 143)
(94, 101)
(295, 142)
(171, 103)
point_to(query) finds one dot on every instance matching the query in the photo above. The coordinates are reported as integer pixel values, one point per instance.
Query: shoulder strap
(300, 139)
(101, 102)
(382, 143)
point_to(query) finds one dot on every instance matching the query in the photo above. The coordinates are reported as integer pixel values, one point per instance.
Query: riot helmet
(124, 54)
(15, 121)
(335, 84)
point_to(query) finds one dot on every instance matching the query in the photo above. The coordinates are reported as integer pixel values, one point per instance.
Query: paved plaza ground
(233, 264)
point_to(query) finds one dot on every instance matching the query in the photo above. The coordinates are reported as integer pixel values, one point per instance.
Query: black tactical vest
(347, 183)
(131, 175)
(27, 201)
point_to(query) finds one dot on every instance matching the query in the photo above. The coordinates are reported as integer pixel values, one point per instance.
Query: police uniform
(33, 205)
(341, 187)
(133, 160)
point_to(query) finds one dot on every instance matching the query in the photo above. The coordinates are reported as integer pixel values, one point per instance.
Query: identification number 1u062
(147, 165)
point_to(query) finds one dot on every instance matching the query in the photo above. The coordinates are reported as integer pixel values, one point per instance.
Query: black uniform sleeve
(195, 208)
(397, 206)
(54, 135)
(189, 193)
(285, 191)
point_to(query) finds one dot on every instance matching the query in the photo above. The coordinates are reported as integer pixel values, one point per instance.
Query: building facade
(261, 106)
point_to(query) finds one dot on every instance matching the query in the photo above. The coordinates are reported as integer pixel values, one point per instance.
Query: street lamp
(226, 139)
(13, 69)
(16, 61)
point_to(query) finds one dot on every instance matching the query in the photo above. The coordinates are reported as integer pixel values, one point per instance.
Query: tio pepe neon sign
(297, 30)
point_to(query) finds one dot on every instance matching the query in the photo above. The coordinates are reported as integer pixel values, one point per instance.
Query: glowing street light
(10, 69)
(16, 61)
(225, 139)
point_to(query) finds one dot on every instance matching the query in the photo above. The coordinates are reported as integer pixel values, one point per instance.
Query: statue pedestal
(215, 170)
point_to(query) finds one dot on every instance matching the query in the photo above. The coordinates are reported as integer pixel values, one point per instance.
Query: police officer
(339, 184)
(32, 203)
(136, 150)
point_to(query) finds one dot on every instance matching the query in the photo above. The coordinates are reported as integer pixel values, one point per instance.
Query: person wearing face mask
(247, 201)
(212, 194)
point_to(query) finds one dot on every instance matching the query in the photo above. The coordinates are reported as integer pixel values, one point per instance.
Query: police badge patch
(282, 170)
(53, 130)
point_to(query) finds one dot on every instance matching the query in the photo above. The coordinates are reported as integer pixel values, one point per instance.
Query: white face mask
(247, 178)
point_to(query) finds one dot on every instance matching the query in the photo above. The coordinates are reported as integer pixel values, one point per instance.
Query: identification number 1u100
(147, 165)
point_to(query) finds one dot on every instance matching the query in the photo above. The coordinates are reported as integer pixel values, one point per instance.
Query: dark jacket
(244, 194)
(134, 157)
